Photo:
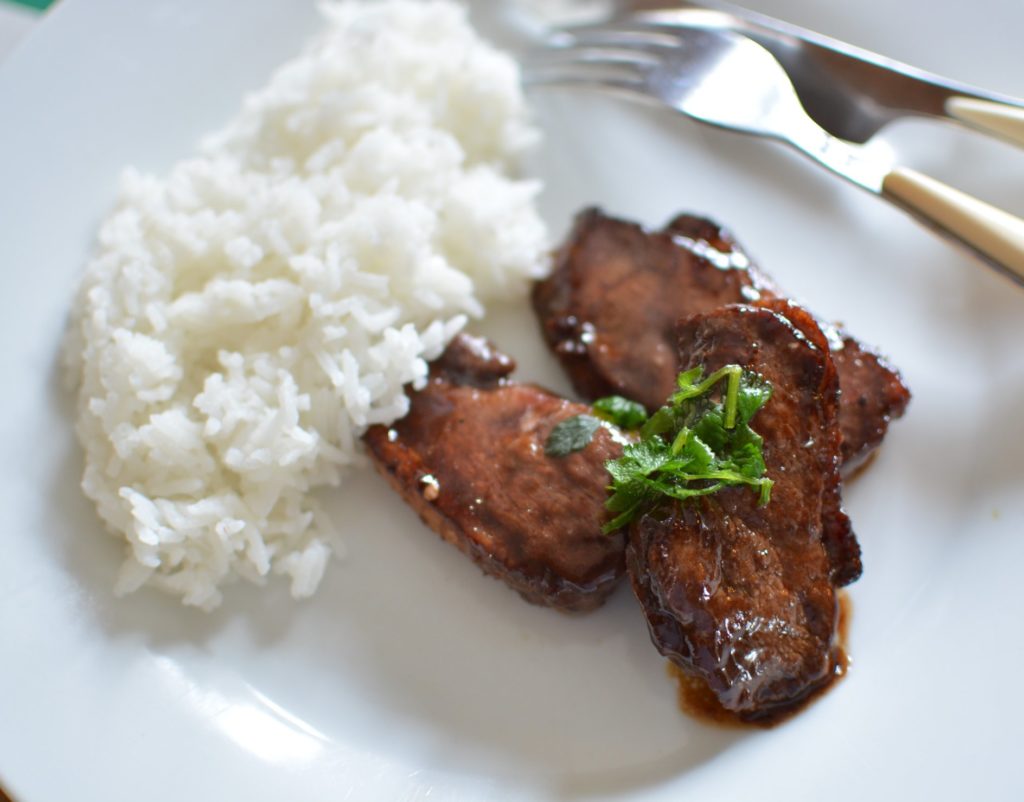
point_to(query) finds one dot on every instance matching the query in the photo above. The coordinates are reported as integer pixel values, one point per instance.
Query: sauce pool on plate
(696, 700)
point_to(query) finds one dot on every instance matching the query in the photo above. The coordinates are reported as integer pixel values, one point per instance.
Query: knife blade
(851, 92)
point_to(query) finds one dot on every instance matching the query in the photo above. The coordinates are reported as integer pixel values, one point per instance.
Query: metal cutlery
(851, 92)
(720, 77)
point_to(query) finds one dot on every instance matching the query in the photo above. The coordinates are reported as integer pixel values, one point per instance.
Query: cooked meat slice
(720, 247)
(701, 229)
(837, 531)
(610, 307)
(738, 594)
(873, 394)
(469, 458)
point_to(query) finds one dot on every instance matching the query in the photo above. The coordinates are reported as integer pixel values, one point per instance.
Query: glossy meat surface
(469, 457)
(610, 308)
(737, 594)
(837, 531)
(873, 393)
(873, 396)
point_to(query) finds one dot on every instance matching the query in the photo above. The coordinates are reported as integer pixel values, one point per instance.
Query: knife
(850, 91)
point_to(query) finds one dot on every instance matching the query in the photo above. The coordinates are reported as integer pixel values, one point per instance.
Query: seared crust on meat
(738, 594)
(873, 395)
(469, 458)
(610, 307)
(837, 531)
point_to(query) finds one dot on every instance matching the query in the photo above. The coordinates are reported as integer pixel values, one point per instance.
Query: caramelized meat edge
(740, 595)
(469, 458)
(837, 531)
(610, 307)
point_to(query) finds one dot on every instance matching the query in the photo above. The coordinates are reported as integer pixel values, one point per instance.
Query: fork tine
(624, 42)
(604, 83)
(622, 34)
(617, 57)
(595, 55)
(588, 69)
(623, 52)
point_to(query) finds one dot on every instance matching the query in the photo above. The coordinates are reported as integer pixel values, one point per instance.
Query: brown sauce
(843, 632)
(698, 701)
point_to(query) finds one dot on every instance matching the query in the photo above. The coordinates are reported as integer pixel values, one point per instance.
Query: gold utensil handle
(994, 118)
(995, 235)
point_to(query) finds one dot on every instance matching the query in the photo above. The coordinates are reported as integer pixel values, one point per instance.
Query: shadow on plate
(475, 680)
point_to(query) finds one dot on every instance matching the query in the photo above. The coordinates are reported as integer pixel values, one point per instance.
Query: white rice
(247, 317)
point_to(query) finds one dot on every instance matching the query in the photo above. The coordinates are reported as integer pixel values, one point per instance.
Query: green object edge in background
(40, 5)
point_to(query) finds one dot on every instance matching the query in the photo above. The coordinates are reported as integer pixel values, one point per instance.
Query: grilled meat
(469, 458)
(740, 595)
(610, 308)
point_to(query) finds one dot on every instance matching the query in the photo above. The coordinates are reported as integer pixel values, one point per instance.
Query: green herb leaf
(572, 434)
(661, 421)
(701, 455)
(753, 394)
(688, 379)
(621, 411)
(693, 446)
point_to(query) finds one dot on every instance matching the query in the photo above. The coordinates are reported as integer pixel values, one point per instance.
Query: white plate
(411, 675)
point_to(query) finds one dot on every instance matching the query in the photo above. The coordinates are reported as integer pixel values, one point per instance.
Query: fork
(851, 92)
(725, 79)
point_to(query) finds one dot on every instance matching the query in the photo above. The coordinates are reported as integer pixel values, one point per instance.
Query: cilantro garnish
(693, 446)
(621, 411)
(575, 433)
(572, 434)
